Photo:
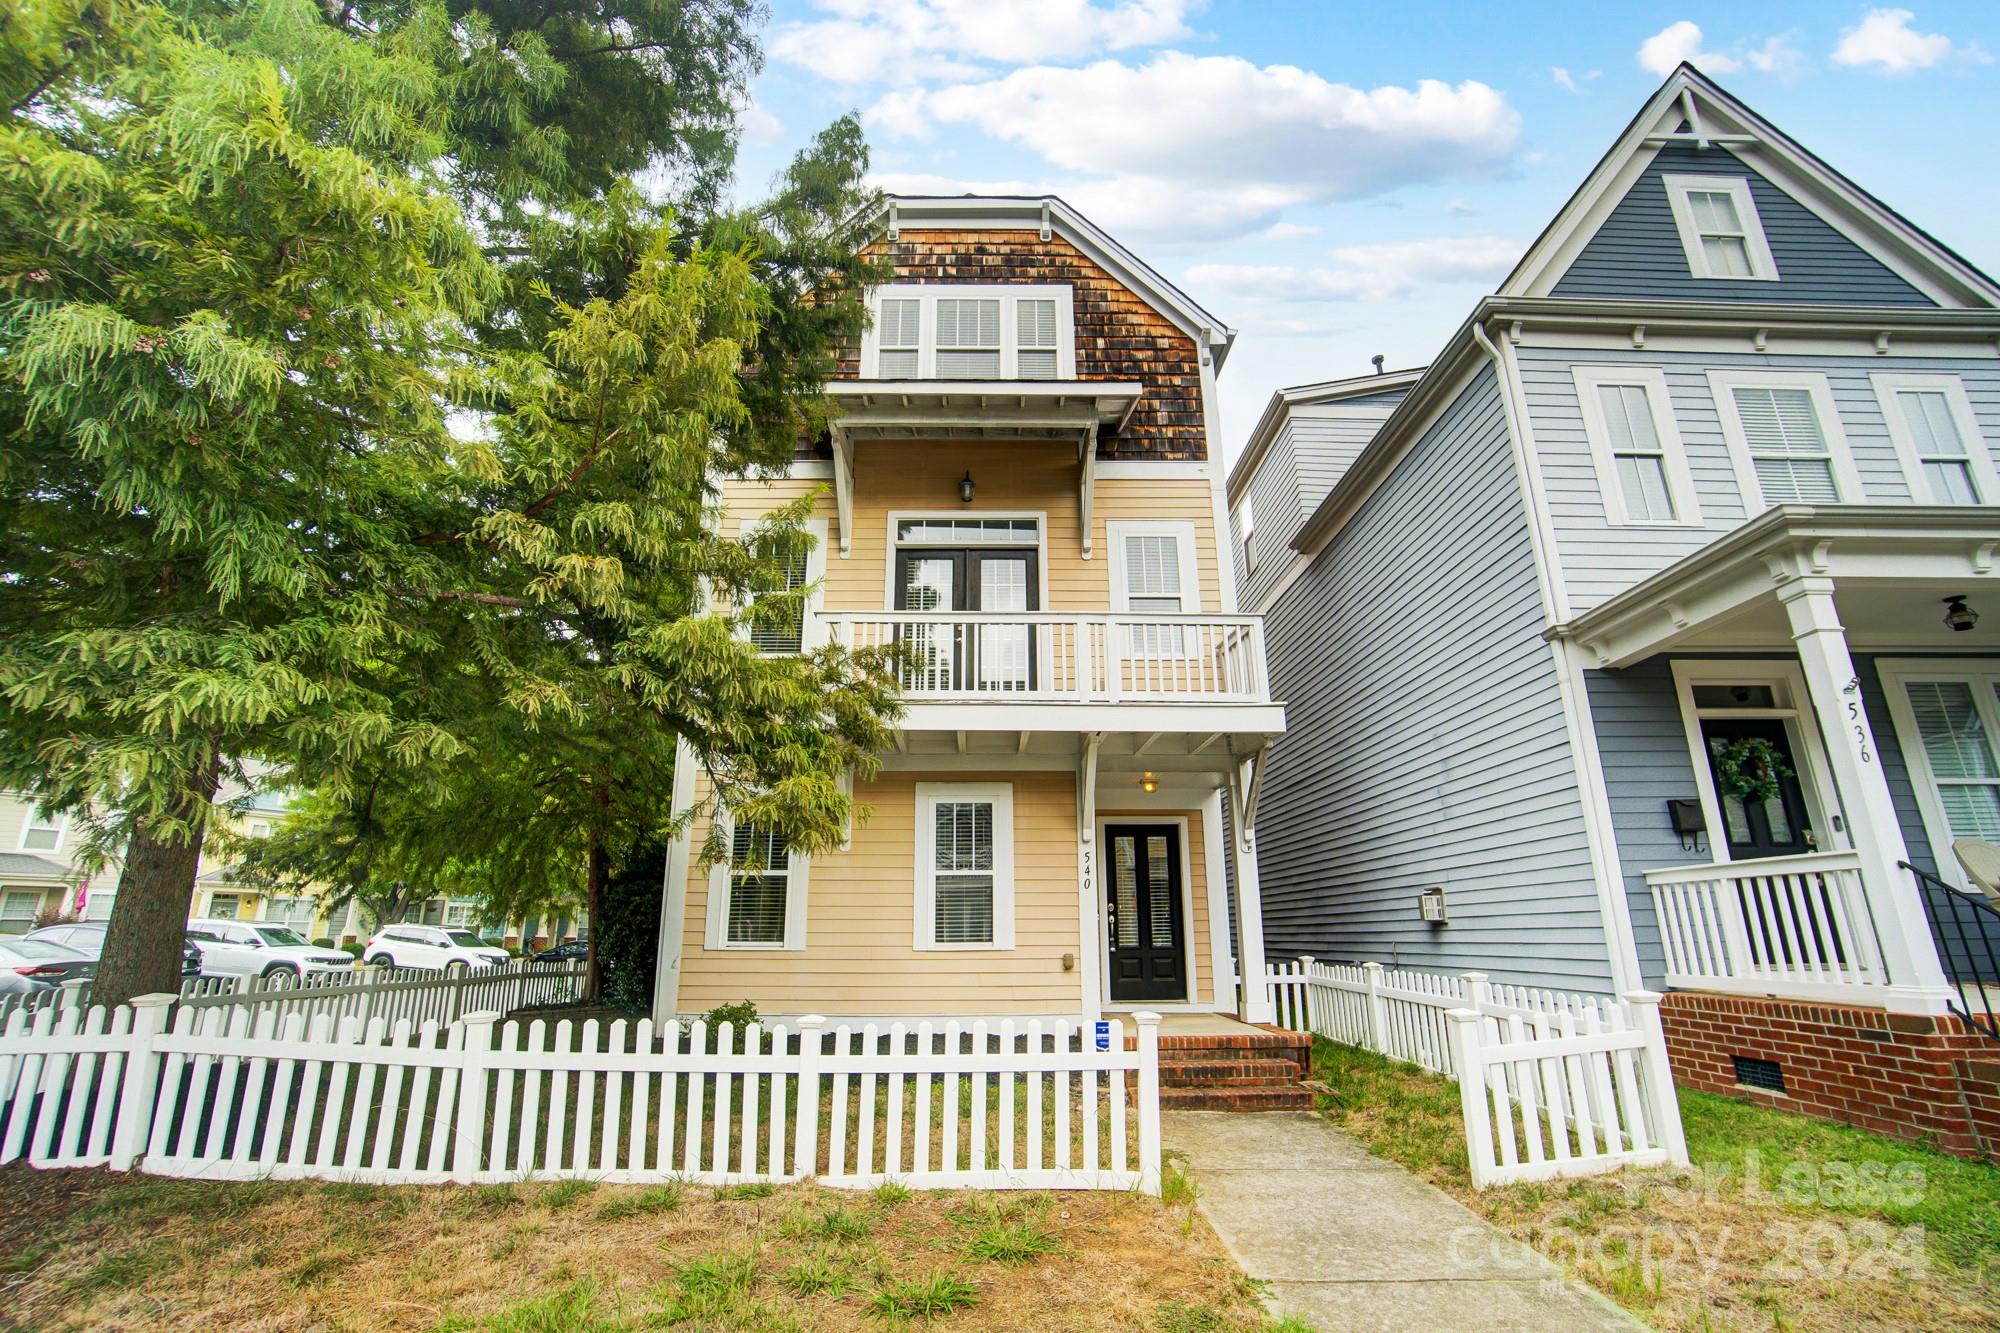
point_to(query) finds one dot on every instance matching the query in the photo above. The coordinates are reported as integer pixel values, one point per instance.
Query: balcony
(1058, 657)
(1798, 927)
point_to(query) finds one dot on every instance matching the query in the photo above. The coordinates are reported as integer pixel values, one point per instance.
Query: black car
(569, 951)
(87, 938)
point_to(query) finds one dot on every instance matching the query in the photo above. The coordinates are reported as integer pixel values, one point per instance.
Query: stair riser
(1236, 1099)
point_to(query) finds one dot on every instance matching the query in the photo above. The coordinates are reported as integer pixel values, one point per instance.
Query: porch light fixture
(965, 487)
(1148, 783)
(1957, 614)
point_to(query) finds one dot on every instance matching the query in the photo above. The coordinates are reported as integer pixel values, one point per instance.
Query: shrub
(737, 1015)
(325, 942)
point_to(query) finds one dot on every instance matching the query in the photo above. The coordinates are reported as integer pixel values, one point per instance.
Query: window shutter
(1788, 449)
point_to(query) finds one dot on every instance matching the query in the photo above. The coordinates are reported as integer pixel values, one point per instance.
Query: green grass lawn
(1783, 1222)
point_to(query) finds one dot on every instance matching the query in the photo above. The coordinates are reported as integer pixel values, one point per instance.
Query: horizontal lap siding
(1637, 252)
(1600, 560)
(1273, 493)
(861, 906)
(1426, 742)
(1327, 445)
(923, 477)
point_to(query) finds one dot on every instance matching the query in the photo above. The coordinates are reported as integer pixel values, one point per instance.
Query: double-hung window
(1947, 717)
(1153, 574)
(965, 865)
(1719, 228)
(970, 331)
(1246, 530)
(783, 628)
(1937, 437)
(17, 910)
(42, 833)
(1785, 439)
(757, 898)
(1642, 469)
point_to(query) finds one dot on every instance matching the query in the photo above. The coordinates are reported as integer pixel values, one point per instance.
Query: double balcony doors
(946, 655)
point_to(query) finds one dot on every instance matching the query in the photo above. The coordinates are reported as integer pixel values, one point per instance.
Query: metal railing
(1966, 931)
(1064, 657)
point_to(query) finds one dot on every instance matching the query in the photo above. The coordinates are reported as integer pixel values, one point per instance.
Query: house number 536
(1855, 721)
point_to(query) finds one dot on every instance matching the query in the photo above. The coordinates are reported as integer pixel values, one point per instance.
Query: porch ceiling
(1121, 747)
(1890, 566)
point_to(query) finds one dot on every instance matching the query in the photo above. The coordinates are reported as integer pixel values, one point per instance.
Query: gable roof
(1051, 216)
(1714, 117)
(1309, 395)
(20, 866)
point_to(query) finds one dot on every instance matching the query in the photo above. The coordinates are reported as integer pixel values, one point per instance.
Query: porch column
(1917, 982)
(1249, 900)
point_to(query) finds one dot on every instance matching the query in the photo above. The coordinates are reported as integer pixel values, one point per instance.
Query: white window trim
(894, 546)
(924, 928)
(1723, 385)
(1182, 530)
(1979, 453)
(1680, 481)
(715, 934)
(928, 294)
(1896, 673)
(813, 629)
(1764, 266)
(1815, 774)
(29, 824)
(1246, 532)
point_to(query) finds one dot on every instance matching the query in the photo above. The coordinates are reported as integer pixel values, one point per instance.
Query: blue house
(1654, 627)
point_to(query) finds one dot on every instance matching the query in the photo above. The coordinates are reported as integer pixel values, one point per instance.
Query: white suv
(254, 949)
(432, 947)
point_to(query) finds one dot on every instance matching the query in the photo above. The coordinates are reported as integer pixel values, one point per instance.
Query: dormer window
(1719, 228)
(960, 331)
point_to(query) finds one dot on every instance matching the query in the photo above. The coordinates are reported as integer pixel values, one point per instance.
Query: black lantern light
(965, 487)
(1957, 614)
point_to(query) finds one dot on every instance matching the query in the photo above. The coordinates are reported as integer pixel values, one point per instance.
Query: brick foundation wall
(1908, 1076)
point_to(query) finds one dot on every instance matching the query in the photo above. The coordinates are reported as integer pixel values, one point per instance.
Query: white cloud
(1459, 208)
(1563, 80)
(759, 126)
(1666, 49)
(908, 41)
(1776, 56)
(1886, 40)
(1205, 148)
(1368, 272)
(1288, 231)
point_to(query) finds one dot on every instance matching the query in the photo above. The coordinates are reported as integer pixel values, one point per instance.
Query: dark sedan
(87, 938)
(569, 951)
(30, 967)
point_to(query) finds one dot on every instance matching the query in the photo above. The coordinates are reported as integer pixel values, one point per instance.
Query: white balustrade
(1793, 926)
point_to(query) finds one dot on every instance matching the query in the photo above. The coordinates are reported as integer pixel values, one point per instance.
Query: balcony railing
(1065, 657)
(1795, 926)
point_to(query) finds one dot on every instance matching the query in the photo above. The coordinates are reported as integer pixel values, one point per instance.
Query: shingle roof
(19, 865)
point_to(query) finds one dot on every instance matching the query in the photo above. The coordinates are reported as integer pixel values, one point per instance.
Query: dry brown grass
(90, 1250)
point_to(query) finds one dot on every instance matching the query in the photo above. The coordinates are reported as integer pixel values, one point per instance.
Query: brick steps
(1240, 1071)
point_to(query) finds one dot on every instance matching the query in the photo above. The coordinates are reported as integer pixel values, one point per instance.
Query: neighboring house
(38, 870)
(1020, 485)
(1680, 514)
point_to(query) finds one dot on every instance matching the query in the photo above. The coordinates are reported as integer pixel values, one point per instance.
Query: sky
(1340, 180)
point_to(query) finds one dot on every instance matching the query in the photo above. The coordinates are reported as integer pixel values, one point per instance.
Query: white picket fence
(1551, 1084)
(78, 993)
(421, 995)
(255, 1092)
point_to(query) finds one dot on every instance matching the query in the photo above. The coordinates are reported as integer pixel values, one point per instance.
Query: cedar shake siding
(1118, 335)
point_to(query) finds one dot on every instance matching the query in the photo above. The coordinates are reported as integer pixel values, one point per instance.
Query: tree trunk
(598, 871)
(148, 927)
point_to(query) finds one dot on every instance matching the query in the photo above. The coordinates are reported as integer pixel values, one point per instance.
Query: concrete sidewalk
(1346, 1240)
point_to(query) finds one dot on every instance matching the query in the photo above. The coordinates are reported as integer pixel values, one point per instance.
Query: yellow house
(1021, 486)
(38, 870)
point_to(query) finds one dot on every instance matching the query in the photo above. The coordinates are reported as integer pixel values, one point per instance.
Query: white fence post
(1149, 1101)
(1468, 1055)
(1663, 1108)
(1376, 1017)
(1478, 990)
(805, 1123)
(469, 1112)
(139, 1087)
(1305, 1012)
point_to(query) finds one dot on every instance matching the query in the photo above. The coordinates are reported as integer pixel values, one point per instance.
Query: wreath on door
(1749, 768)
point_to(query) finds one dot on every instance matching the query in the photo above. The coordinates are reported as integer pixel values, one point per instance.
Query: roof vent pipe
(1376, 361)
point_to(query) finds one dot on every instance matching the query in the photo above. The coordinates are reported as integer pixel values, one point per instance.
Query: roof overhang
(1169, 738)
(1283, 402)
(1900, 555)
(1048, 215)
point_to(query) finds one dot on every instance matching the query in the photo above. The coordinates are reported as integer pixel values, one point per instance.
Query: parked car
(569, 951)
(29, 967)
(431, 946)
(254, 949)
(87, 938)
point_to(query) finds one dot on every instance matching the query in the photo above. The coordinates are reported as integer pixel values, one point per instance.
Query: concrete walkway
(1346, 1240)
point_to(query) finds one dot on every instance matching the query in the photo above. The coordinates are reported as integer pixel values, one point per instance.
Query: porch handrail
(1796, 926)
(1966, 930)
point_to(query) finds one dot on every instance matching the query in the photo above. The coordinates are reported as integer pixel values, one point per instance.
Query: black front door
(1756, 828)
(1148, 939)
